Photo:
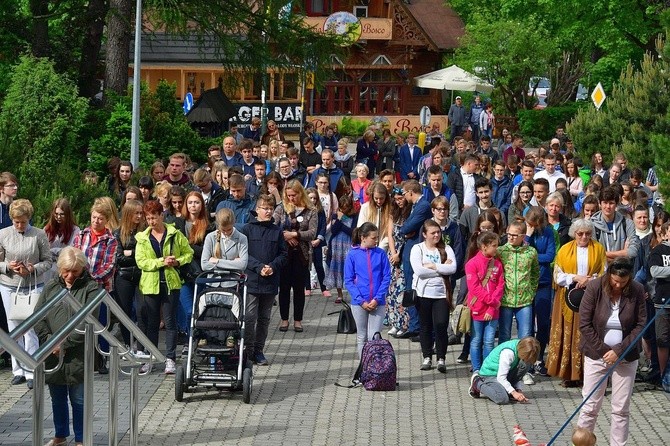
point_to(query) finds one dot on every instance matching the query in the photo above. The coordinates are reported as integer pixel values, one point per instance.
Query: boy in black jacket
(267, 255)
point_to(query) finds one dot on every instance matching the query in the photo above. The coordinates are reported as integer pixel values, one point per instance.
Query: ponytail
(363, 231)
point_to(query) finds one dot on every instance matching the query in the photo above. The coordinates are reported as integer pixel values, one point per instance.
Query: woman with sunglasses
(577, 263)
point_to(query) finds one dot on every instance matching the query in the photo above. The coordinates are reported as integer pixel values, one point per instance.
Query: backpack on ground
(377, 369)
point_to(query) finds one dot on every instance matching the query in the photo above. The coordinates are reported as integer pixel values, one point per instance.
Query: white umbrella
(453, 78)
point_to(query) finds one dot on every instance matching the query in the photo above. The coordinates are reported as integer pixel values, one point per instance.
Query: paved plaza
(295, 402)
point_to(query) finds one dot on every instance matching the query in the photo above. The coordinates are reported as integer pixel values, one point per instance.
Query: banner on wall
(286, 115)
(395, 123)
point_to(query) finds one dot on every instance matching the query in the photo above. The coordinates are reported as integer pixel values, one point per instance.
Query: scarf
(342, 158)
(566, 261)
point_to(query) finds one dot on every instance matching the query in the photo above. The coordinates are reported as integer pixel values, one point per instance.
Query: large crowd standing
(507, 233)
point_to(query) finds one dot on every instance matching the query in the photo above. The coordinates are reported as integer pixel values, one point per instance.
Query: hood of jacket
(598, 220)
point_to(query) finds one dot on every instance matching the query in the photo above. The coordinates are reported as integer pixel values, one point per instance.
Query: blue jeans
(524, 322)
(483, 335)
(185, 308)
(61, 413)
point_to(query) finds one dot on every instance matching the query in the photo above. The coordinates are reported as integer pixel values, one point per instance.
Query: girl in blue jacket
(540, 235)
(367, 275)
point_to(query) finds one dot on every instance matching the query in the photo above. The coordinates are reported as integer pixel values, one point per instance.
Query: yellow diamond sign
(598, 96)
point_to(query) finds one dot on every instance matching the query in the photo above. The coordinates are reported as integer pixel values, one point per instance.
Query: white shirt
(550, 177)
(469, 194)
(564, 279)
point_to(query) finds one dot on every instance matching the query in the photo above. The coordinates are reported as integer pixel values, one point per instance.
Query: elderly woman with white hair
(556, 218)
(577, 263)
(25, 264)
(68, 380)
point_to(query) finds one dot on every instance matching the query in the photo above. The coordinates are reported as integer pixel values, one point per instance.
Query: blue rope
(609, 372)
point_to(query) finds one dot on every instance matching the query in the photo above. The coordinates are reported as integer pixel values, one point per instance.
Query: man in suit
(411, 230)
(408, 159)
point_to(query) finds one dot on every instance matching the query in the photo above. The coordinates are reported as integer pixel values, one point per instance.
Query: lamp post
(135, 129)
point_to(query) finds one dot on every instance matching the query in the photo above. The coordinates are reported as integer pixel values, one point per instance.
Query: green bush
(41, 120)
(542, 123)
(66, 181)
(353, 128)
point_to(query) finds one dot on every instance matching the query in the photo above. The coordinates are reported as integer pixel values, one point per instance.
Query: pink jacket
(487, 298)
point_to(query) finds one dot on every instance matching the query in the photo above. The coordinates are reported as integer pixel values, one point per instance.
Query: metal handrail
(34, 318)
(83, 314)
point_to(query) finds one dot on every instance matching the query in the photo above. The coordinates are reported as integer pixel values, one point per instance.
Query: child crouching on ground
(500, 376)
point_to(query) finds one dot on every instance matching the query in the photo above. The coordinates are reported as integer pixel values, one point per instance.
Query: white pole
(135, 133)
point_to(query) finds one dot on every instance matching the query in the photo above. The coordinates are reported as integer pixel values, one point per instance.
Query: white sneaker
(392, 331)
(170, 366)
(146, 368)
(142, 355)
(441, 366)
(427, 364)
(528, 380)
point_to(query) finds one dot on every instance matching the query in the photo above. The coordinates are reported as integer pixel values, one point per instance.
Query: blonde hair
(224, 217)
(528, 349)
(583, 437)
(21, 208)
(303, 199)
(107, 207)
(128, 228)
(71, 258)
(161, 188)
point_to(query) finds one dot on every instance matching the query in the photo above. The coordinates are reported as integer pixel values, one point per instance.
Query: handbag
(346, 324)
(23, 302)
(409, 298)
(461, 319)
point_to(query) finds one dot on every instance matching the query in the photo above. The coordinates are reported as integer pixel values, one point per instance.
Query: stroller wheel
(247, 378)
(179, 384)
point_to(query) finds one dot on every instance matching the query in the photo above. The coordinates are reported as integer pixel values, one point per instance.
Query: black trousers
(433, 317)
(292, 277)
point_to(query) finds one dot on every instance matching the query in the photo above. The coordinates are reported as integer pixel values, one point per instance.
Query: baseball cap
(458, 97)
(555, 141)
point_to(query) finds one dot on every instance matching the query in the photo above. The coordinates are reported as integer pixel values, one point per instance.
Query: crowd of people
(508, 234)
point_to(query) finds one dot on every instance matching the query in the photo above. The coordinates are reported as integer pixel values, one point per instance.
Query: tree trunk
(119, 21)
(39, 10)
(90, 50)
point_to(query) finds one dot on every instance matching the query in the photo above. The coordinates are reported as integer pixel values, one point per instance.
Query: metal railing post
(89, 363)
(134, 404)
(114, 362)
(38, 405)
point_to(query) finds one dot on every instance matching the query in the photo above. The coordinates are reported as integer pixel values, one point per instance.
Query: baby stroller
(216, 356)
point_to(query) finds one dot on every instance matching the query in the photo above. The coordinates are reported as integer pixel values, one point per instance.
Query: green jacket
(175, 244)
(492, 361)
(522, 275)
(72, 370)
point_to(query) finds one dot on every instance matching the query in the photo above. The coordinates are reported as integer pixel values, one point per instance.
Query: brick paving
(295, 402)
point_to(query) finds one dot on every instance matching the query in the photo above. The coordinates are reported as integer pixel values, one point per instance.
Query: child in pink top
(486, 284)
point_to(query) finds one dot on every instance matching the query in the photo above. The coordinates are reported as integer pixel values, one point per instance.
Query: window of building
(381, 60)
(419, 91)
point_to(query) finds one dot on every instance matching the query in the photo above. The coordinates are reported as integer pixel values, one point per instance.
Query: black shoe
(462, 359)
(18, 379)
(29, 383)
(102, 368)
(415, 338)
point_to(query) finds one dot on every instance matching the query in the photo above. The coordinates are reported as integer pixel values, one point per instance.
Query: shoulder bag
(23, 301)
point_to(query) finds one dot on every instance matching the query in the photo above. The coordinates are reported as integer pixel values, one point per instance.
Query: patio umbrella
(453, 78)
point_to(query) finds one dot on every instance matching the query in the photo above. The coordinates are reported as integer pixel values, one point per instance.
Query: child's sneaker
(475, 381)
(528, 379)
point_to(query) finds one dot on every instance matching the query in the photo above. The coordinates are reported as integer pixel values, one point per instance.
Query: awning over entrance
(212, 107)
(453, 78)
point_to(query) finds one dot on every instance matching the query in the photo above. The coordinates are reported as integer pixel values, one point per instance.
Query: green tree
(633, 113)
(40, 120)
